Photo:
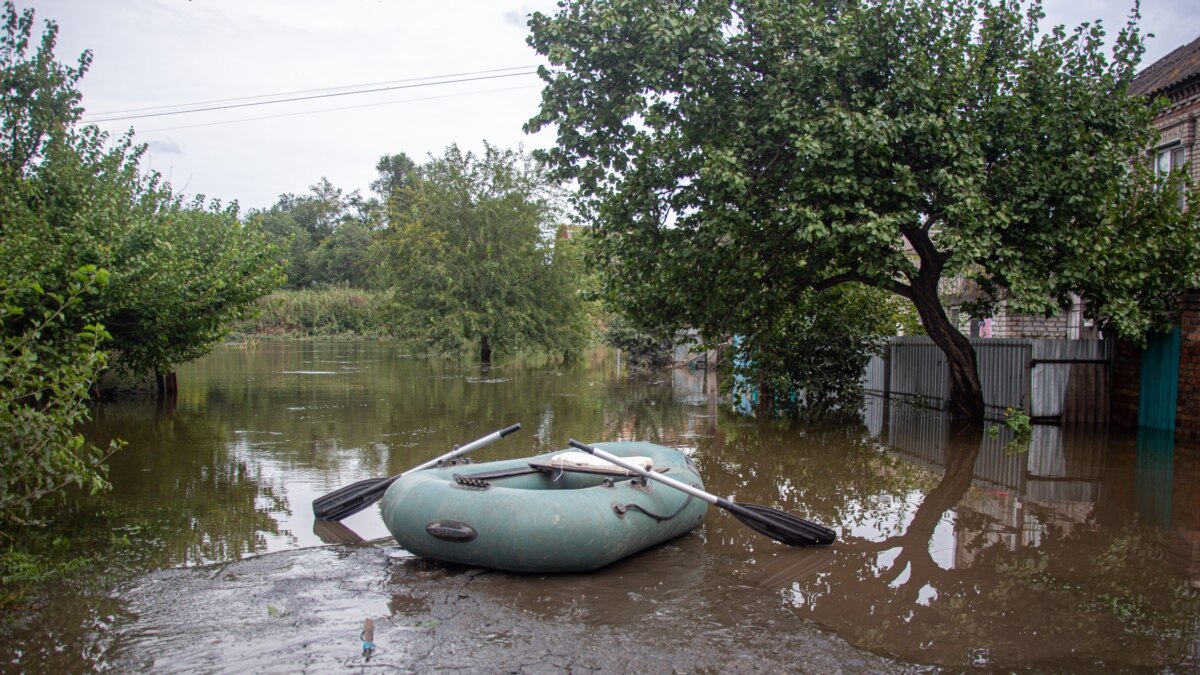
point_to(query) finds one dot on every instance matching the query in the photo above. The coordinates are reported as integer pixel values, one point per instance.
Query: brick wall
(1126, 380)
(1178, 124)
(1024, 326)
(1127, 369)
(1187, 407)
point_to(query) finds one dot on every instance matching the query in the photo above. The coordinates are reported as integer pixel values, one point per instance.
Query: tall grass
(329, 312)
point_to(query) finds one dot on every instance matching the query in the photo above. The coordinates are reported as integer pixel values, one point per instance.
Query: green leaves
(472, 262)
(93, 254)
(47, 371)
(743, 153)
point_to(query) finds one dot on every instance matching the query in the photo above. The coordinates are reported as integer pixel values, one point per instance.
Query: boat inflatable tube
(557, 512)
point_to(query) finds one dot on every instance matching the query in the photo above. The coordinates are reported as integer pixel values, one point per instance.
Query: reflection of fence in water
(1062, 380)
(1020, 492)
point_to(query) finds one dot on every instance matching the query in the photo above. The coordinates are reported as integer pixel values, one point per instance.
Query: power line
(307, 91)
(313, 112)
(206, 108)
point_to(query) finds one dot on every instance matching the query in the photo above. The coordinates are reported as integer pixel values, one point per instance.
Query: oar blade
(351, 499)
(781, 526)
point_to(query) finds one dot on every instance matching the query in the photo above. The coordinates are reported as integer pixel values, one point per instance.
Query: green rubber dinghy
(563, 511)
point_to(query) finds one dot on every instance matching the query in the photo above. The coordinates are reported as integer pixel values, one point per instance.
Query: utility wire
(322, 110)
(307, 91)
(206, 108)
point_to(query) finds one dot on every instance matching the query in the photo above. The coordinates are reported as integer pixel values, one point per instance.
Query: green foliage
(733, 156)
(179, 272)
(21, 573)
(640, 348)
(48, 361)
(327, 312)
(1021, 426)
(471, 262)
(181, 279)
(326, 236)
(37, 94)
(810, 360)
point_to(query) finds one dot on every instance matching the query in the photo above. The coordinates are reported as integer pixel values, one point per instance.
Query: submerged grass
(328, 312)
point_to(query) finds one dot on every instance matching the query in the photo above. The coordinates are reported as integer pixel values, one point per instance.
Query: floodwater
(1078, 551)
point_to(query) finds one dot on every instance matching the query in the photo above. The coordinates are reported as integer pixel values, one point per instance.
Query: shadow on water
(1079, 551)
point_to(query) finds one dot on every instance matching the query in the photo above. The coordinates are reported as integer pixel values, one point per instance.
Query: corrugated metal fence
(1051, 380)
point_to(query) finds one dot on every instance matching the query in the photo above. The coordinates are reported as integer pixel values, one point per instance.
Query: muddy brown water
(1078, 551)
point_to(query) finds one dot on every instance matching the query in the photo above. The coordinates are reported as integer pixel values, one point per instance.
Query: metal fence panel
(1060, 380)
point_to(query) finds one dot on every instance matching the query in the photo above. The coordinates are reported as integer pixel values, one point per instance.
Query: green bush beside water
(327, 312)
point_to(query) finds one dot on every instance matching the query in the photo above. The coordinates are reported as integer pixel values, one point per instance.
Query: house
(1159, 387)
(1176, 77)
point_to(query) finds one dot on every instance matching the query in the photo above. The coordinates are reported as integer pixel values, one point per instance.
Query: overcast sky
(154, 53)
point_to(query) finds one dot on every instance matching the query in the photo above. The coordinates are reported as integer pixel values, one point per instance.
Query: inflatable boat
(563, 511)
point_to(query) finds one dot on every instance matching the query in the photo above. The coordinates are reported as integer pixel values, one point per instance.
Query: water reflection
(1078, 551)
(1042, 558)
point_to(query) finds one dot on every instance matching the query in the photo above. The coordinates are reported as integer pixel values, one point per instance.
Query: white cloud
(167, 147)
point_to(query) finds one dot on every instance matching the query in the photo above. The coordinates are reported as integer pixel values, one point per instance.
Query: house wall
(1187, 408)
(1126, 375)
(1178, 123)
(1026, 326)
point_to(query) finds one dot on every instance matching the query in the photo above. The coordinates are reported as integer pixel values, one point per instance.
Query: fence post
(887, 368)
(1027, 383)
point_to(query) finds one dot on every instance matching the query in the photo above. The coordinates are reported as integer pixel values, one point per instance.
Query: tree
(326, 234)
(738, 154)
(810, 358)
(471, 260)
(178, 272)
(180, 280)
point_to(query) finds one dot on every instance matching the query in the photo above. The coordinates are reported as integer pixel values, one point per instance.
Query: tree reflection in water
(993, 564)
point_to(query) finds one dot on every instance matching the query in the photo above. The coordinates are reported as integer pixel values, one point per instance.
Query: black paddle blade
(781, 526)
(351, 499)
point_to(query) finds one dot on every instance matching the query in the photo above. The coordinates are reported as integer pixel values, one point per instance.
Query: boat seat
(585, 463)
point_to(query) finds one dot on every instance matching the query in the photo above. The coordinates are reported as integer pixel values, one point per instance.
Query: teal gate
(1159, 381)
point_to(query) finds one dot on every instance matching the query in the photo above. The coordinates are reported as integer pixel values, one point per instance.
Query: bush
(48, 368)
(330, 312)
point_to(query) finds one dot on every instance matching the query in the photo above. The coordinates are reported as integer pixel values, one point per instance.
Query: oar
(778, 525)
(353, 498)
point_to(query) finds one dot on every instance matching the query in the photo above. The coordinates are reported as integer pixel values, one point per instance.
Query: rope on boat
(655, 516)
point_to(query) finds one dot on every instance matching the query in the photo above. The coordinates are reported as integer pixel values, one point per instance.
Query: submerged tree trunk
(966, 392)
(485, 350)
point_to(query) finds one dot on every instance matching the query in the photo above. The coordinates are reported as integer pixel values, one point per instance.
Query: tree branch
(903, 290)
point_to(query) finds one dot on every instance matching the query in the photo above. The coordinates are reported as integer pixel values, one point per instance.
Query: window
(1170, 159)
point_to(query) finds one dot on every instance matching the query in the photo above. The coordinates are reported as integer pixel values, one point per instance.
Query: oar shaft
(469, 447)
(351, 499)
(779, 525)
(630, 466)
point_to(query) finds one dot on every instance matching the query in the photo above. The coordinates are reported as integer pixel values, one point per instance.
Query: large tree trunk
(966, 393)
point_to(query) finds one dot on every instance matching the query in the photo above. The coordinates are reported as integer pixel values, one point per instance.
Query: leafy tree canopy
(734, 155)
(92, 253)
(324, 235)
(178, 272)
(472, 261)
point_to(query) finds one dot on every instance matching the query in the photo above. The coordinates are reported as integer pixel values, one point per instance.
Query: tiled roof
(1179, 66)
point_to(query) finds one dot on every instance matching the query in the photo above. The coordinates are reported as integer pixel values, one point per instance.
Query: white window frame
(1169, 158)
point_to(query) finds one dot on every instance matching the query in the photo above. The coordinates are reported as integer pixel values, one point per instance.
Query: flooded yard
(1078, 551)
